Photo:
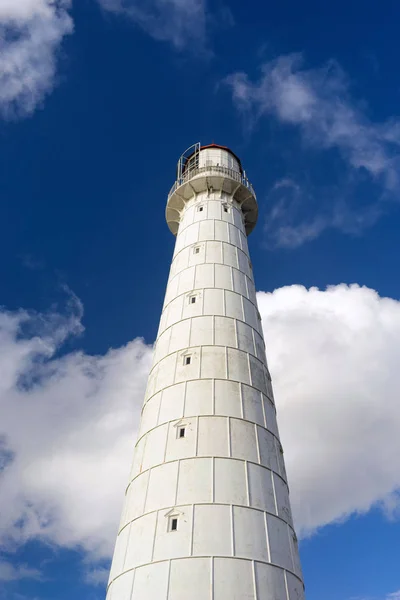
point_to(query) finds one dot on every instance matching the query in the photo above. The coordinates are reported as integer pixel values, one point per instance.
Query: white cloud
(69, 422)
(334, 359)
(30, 34)
(97, 576)
(68, 429)
(10, 572)
(318, 103)
(182, 22)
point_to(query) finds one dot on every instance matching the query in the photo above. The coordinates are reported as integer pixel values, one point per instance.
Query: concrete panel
(174, 311)
(221, 231)
(201, 333)
(230, 481)
(230, 255)
(234, 306)
(244, 265)
(270, 416)
(278, 536)
(213, 436)
(181, 261)
(185, 371)
(214, 252)
(252, 405)
(141, 539)
(295, 587)
(206, 230)
(181, 447)
(171, 405)
(281, 460)
(214, 302)
(227, 398)
(172, 289)
(243, 242)
(199, 398)
(260, 347)
(213, 362)
(212, 530)
(257, 374)
(138, 458)
(162, 486)
(195, 481)
(243, 440)
(250, 538)
(155, 446)
(165, 372)
(295, 553)
(268, 454)
(192, 234)
(225, 332)
(250, 314)
(178, 336)
(214, 209)
(270, 582)
(234, 235)
(172, 544)
(121, 545)
(204, 276)
(151, 581)
(186, 280)
(238, 366)
(260, 488)
(223, 277)
(192, 574)
(238, 219)
(239, 282)
(282, 500)
(135, 497)
(121, 588)
(233, 579)
(162, 346)
(200, 215)
(149, 415)
(193, 309)
(187, 218)
(197, 254)
(251, 290)
(245, 337)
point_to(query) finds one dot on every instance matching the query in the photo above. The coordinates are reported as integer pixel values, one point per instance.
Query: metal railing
(232, 173)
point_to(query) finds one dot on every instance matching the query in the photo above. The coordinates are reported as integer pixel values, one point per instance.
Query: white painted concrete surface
(207, 513)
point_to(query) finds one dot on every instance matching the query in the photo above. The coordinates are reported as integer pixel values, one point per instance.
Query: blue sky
(97, 101)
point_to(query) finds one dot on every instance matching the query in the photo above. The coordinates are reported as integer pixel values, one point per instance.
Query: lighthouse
(207, 513)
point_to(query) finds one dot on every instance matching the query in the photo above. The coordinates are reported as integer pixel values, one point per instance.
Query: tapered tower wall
(207, 513)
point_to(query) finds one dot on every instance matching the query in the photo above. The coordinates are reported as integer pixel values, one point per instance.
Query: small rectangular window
(182, 432)
(174, 524)
(192, 300)
(200, 208)
(187, 360)
(196, 250)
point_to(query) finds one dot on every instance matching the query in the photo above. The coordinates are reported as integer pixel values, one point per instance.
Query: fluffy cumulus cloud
(318, 103)
(30, 35)
(9, 572)
(182, 22)
(334, 358)
(69, 420)
(67, 432)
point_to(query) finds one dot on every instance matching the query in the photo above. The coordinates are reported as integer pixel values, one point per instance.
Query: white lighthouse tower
(207, 513)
